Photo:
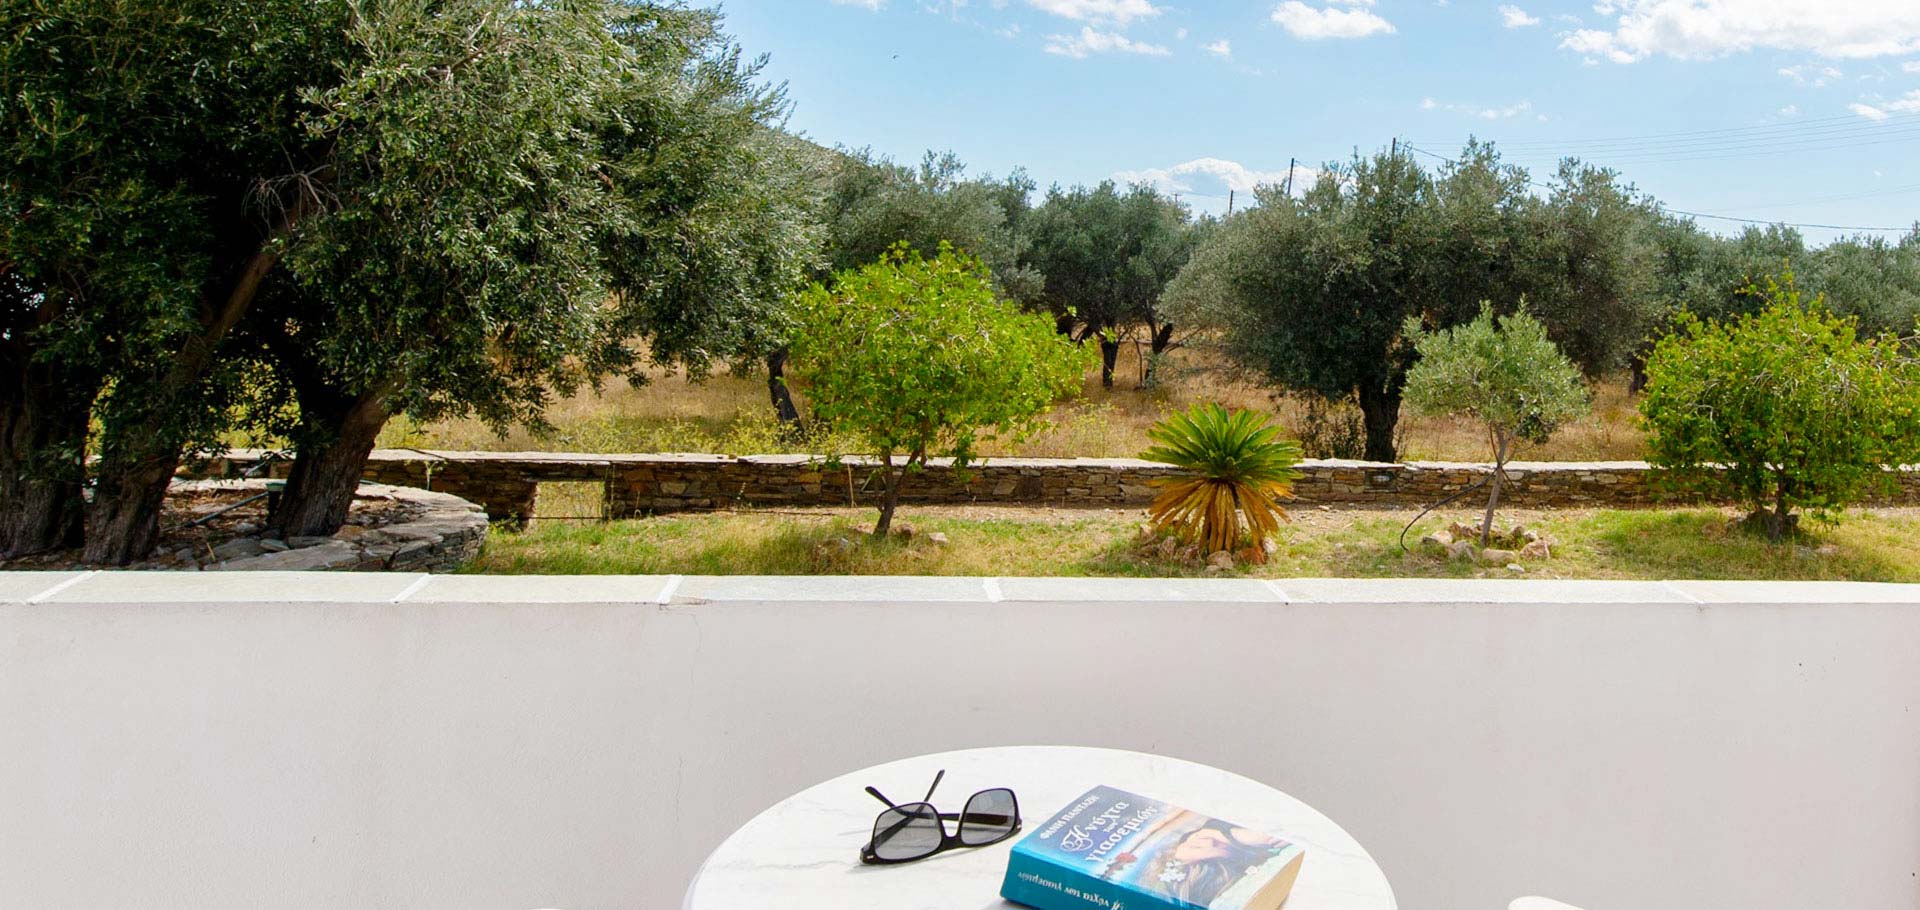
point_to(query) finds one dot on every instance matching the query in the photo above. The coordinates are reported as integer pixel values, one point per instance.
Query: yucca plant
(1244, 466)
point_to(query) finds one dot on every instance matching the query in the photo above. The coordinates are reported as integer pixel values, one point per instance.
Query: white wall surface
(1618, 756)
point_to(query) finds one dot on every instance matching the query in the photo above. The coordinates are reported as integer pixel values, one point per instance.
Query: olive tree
(1782, 409)
(1105, 256)
(1502, 373)
(920, 359)
(318, 214)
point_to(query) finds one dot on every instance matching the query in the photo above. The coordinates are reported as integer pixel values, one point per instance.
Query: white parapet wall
(393, 740)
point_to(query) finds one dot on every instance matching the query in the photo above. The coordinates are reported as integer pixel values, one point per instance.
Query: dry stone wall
(506, 484)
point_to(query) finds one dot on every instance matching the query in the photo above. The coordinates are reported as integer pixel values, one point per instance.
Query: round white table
(804, 852)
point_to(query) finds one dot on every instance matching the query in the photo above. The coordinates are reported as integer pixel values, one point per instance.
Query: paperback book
(1114, 850)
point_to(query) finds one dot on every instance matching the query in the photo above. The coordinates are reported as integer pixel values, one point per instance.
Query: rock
(333, 554)
(904, 532)
(1532, 535)
(1168, 547)
(938, 539)
(1460, 550)
(1220, 559)
(349, 532)
(1828, 549)
(1438, 543)
(300, 543)
(1515, 567)
(274, 546)
(1537, 549)
(246, 527)
(238, 548)
(184, 554)
(1214, 570)
(1269, 546)
(1494, 556)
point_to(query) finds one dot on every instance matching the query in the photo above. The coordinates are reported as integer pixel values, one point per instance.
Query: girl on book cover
(1201, 864)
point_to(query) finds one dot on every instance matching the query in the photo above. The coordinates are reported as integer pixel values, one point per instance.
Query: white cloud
(1118, 12)
(1911, 66)
(1507, 112)
(1303, 21)
(1791, 110)
(1703, 29)
(1515, 17)
(874, 5)
(1180, 34)
(1220, 173)
(1090, 42)
(1808, 75)
(1220, 48)
(1908, 103)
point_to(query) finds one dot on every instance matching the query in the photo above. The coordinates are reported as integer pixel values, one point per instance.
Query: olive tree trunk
(778, 391)
(1109, 355)
(1380, 410)
(43, 435)
(1493, 496)
(1161, 339)
(328, 466)
(123, 524)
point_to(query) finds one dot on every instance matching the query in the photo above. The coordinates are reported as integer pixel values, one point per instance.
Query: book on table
(1114, 850)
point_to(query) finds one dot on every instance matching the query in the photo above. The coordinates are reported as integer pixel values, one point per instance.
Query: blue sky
(1796, 110)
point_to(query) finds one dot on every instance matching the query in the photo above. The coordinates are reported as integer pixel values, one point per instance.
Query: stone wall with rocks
(434, 532)
(506, 484)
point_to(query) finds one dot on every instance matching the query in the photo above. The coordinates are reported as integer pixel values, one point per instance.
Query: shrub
(1506, 374)
(916, 358)
(1243, 466)
(1782, 409)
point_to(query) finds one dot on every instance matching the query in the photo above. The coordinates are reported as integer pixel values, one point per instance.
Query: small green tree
(1504, 373)
(1781, 409)
(918, 358)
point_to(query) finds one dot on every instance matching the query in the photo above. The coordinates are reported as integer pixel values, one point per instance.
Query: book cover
(1114, 850)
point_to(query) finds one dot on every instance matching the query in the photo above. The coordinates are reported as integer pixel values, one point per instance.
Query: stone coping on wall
(633, 485)
(675, 591)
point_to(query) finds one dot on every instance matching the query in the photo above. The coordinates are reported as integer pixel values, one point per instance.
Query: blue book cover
(1114, 850)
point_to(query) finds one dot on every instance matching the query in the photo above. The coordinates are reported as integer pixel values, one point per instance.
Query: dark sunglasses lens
(989, 816)
(906, 832)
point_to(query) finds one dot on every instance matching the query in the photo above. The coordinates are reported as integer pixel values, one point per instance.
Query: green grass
(1686, 543)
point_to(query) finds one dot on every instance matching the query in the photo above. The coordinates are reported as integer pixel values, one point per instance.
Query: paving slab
(20, 587)
(540, 589)
(1147, 590)
(1795, 592)
(1475, 590)
(238, 587)
(861, 588)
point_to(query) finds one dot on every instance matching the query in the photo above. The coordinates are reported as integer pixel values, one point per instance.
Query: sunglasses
(904, 833)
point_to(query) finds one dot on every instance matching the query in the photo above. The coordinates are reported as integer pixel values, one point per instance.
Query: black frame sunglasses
(905, 833)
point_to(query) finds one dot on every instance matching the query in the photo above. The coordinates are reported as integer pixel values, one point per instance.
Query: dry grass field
(730, 414)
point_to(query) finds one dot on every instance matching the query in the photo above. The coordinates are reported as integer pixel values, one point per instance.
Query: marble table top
(803, 853)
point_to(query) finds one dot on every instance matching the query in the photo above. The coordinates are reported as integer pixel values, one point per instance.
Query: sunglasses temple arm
(881, 797)
(935, 786)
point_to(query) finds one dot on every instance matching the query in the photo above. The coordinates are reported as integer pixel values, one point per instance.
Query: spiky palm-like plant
(1243, 465)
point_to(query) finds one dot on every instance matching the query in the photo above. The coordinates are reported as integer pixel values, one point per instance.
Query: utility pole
(1229, 203)
(1290, 166)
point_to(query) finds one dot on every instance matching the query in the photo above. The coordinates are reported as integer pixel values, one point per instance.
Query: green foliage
(1106, 257)
(1505, 374)
(1244, 467)
(1782, 409)
(873, 204)
(918, 358)
(1312, 292)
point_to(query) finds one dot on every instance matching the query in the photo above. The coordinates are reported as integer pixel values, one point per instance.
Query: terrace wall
(507, 483)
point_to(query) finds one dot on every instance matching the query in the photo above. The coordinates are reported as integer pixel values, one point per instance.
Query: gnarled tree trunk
(1380, 408)
(339, 435)
(1109, 354)
(43, 436)
(778, 391)
(123, 523)
(1161, 339)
